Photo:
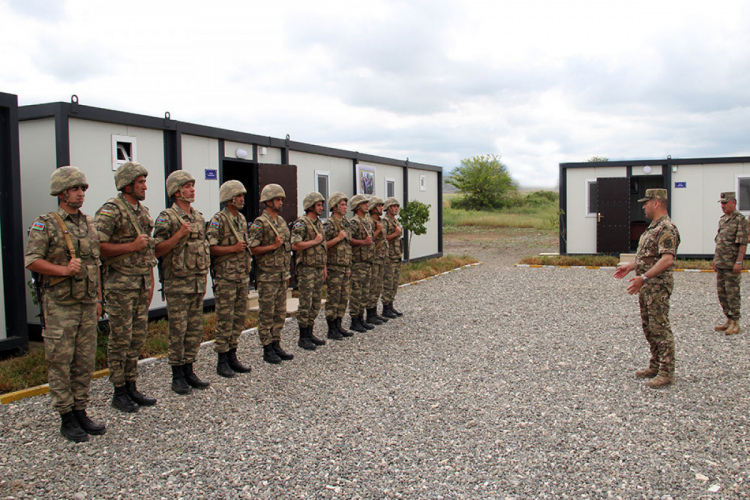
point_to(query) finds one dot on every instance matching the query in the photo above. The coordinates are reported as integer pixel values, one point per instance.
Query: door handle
(599, 217)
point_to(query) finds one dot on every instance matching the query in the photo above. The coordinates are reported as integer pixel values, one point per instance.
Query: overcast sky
(537, 82)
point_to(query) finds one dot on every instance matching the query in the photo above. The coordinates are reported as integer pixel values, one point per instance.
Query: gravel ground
(498, 382)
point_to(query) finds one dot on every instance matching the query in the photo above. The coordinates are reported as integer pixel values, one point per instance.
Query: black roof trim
(658, 161)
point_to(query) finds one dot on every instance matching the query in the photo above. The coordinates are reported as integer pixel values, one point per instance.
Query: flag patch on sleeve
(106, 211)
(160, 220)
(39, 226)
(214, 224)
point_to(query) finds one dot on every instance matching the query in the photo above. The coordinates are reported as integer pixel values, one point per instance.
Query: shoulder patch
(299, 224)
(256, 225)
(39, 226)
(160, 220)
(106, 211)
(215, 224)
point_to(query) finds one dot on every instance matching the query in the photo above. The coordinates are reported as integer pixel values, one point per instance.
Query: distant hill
(448, 188)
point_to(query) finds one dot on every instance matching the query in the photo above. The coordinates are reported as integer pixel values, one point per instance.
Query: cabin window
(743, 194)
(592, 198)
(123, 150)
(322, 186)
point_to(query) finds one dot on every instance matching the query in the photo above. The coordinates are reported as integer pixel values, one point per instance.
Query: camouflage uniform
(380, 254)
(361, 265)
(733, 233)
(273, 273)
(338, 282)
(127, 281)
(231, 274)
(392, 273)
(661, 237)
(310, 264)
(69, 306)
(184, 269)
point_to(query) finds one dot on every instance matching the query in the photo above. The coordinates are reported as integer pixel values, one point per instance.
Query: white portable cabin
(601, 213)
(99, 140)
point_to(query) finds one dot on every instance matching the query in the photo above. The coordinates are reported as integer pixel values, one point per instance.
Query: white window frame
(738, 193)
(385, 191)
(120, 139)
(327, 175)
(423, 182)
(588, 194)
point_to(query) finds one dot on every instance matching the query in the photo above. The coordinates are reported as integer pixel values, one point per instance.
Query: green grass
(431, 267)
(609, 261)
(527, 210)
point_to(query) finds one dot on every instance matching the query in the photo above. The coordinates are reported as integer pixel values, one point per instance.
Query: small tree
(413, 218)
(484, 181)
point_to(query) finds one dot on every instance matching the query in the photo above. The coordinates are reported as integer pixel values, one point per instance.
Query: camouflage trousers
(185, 312)
(128, 327)
(361, 272)
(271, 310)
(391, 280)
(231, 312)
(728, 288)
(70, 350)
(376, 284)
(338, 288)
(310, 286)
(654, 302)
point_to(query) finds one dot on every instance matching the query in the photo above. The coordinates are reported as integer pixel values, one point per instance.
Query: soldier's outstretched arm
(42, 266)
(623, 270)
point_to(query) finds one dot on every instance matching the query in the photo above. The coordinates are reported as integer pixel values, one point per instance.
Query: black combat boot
(357, 325)
(121, 400)
(234, 363)
(281, 352)
(364, 323)
(372, 317)
(88, 425)
(179, 385)
(222, 366)
(394, 311)
(304, 341)
(343, 331)
(192, 379)
(387, 313)
(315, 340)
(269, 354)
(71, 429)
(137, 397)
(333, 333)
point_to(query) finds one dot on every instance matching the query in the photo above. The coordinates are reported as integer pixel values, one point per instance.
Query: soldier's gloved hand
(140, 242)
(318, 238)
(240, 247)
(184, 230)
(278, 242)
(73, 267)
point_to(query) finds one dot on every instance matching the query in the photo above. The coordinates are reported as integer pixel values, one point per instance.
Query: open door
(246, 173)
(286, 177)
(613, 215)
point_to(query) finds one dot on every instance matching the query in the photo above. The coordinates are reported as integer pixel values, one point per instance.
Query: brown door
(286, 177)
(613, 217)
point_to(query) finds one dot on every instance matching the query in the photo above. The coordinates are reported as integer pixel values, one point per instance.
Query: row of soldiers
(83, 265)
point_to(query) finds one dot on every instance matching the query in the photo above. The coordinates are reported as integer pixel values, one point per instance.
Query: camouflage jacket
(233, 266)
(185, 266)
(396, 245)
(305, 229)
(660, 237)
(381, 244)
(274, 265)
(733, 233)
(114, 224)
(339, 254)
(361, 229)
(47, 241)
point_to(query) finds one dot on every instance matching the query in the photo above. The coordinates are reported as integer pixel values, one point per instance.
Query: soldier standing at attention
(378, 262)
(309, 245)
(339, 262)
(654, 283)
(731, 243)
(125, 227)
(363, 249)
(392, 274)
(180, 234)
(269, 243)
(230, 268)
(63, 248)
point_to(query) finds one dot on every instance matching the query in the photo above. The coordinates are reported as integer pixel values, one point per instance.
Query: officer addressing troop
(180, 234)
(309, 244)
(380, 254)
(125, 226)
(230, 269)
(654, 283)
(363, 249)
(731, 243)
(270, 244)
(63, 248)
(392, 274)
(339, 261)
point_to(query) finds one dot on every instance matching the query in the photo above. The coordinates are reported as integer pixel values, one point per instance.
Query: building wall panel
(426, 244)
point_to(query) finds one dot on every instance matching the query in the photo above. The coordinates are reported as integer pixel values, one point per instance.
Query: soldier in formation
(731, 243)
(269, 241)
(393, 234)
(309, 244)
(63, 251)
(338, 235)
(380, 254)
(127, 248)
(230, 270)
(363, 249)
(180, 234)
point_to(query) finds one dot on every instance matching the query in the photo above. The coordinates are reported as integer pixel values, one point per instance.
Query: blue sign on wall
(211, 174)
(680, 184)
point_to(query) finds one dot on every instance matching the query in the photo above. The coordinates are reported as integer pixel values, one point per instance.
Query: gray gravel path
(498, 382)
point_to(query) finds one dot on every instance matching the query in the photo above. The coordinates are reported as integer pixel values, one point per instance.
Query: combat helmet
(374, 201)
(65, 178)
(127, 173)
(356, 201)
(230, 189)
(335, 199)
(271, 191)
(389, 202)
(176, 180)
(311, 199)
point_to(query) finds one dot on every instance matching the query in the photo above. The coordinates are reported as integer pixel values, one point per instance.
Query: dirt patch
(501, 246)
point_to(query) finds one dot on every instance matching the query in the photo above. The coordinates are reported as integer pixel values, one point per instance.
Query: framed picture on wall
(365, 179)
(423, 183)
